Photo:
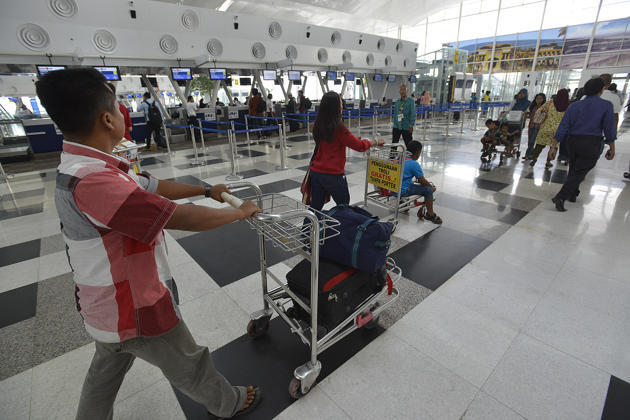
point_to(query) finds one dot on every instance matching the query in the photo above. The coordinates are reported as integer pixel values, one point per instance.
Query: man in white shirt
(611, 97)
(191, 111)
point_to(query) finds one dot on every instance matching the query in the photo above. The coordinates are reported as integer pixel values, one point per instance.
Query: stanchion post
(476, 116)
(462, 115)
(233, 176)
(167, 136)
(247, 129)
(283, 147)
(308, 125)
(374, 118)
(203, 142)
(424, 125)
(448, 118)
(194, 161)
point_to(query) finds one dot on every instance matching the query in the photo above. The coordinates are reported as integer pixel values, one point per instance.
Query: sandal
(435, 219)
(548, 165)
(252, 406)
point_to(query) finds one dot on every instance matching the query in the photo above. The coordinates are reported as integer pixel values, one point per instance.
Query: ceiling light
(226, 5)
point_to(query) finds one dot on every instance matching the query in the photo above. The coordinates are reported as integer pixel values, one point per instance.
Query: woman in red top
(328, 165)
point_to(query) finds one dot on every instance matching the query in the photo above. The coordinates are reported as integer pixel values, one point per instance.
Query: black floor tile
(192, 155)
(150, 161)
(251, 153)
(208, 162)
(303, 168)
(556, 176)
(230, 252)
(498, 211)
(301, 156)
(252, 173)
(259, 143)
(490, 185)
(18, 304)
(297, 139)
(433, 258)
(19, 252)
(12, 212)
(188, 179)
(269, 363)
(617, 405)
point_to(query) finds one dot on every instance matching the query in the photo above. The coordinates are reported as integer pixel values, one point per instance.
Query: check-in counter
(139, 132)
(43, 135)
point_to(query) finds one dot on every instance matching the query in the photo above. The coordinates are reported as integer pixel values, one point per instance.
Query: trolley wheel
(422, 211)
(295, 389)
(626, 175)
(374, 321)
(257, 327)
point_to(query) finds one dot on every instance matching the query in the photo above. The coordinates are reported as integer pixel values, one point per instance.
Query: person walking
(292, 109)
(112, 221)
(551, 115)
(153, 118)
(425, 99)
(327, 168)
(520, 102)
(191, 112)
(257, 108)
(404, 117)
(581, 127)
(534, 124)
(610, 96)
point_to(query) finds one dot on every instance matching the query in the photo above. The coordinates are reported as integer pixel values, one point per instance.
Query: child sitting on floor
(412, 169)
(491, 137)
(507, 138)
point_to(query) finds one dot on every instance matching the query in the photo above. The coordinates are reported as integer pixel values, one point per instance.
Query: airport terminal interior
(507, 309)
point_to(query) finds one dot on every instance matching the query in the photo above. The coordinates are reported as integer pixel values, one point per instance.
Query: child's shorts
(416, 189)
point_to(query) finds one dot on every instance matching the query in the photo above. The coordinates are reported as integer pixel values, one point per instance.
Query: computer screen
(181, 73)
(350, 77)
(218, 74)
(269, 75)
(378, 77)
(413, 79)
(42, 70)
(246, 81)
(297, 82)
(294, 75)
(338, 81)
(111, 73)
(331, 75)
(391, 78)
(152, 81)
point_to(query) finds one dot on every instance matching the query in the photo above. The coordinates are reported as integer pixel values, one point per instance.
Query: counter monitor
(331, 75)
(42, 70)
(391, 78)
(350, 77)
(294, 75)
(218, 74)
(269, 75)
(378, 77)
(181, 73)
(111, 73)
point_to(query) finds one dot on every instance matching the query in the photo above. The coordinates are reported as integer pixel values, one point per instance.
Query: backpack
(307, 104)
(155, 116)
(261, 107)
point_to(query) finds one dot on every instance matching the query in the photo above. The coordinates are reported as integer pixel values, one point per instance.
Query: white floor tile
(54, 264)
(18, 274)
(540, 382)
(15, 396)
(464, 341)
(484, 407)
(316, 405)
(390, 379)
(156, 402)
(192, 281)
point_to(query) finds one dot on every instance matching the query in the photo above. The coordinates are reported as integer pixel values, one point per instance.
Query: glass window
(505, 47)
(624, 59)
(520, 18)
(440, 32)
(602, 60)
(448, 13)
(471, 7)
(609, 35)
(577, 39)
(549, 63)
(415, 34)
(477, 26)
(569, 12)
(489, 5)
(526, 44)
(551, 42)
(572, 61)
(612, 9)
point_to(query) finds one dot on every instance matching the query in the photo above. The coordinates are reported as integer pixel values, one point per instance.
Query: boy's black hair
(414, 147)
(90, 97)
(489, 121)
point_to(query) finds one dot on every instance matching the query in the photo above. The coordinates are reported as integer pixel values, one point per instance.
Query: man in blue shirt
(404, 117)
(423, 187)
(582, 126)
(152, 125)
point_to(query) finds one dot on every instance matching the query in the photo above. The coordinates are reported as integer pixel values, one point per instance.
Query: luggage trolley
(297, 228)
(384, 171)
(514, 119)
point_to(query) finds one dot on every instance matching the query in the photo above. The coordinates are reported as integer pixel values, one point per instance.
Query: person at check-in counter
(112, 222)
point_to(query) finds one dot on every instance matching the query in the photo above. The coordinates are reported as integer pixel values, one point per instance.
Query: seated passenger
(507, 137)
(421, 187)
(491, 137)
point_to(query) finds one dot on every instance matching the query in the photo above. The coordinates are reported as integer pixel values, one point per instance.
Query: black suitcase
(341, 290)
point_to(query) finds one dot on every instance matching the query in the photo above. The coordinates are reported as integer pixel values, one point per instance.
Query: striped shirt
(112, 222)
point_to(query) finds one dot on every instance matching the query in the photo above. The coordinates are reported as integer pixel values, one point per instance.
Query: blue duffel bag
(362, 242)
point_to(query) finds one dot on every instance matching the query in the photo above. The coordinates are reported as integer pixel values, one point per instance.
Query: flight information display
(42, 70)
(181, 73)
(111, 73)
(378, 77)
(331, 75)
(350, 77)
(294, 75)
(391, 78)
(218, 74)
(269, 75)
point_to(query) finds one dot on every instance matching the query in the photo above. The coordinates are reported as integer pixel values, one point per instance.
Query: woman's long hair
(533, 104)
(328, 117)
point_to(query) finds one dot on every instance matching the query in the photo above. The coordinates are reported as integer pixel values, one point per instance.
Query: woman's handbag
(541, 114)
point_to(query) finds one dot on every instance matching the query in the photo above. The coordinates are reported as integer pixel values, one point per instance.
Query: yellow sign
(384, 174)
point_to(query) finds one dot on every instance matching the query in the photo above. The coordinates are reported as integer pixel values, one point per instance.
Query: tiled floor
(509, 310)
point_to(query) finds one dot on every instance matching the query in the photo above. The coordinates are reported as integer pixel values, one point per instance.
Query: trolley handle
(268, 218)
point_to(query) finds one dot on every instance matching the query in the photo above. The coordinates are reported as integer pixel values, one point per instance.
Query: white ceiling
(368, 16)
